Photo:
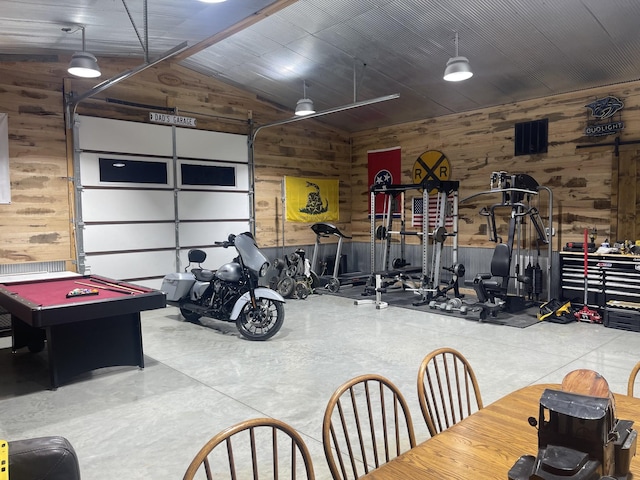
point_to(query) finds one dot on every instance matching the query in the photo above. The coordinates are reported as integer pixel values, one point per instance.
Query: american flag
(417, 212)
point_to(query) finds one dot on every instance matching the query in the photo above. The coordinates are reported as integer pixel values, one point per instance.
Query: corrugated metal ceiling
(347, 50)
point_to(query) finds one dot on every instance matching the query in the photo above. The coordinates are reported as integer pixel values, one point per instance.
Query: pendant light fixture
(304, 105)
(83, 64)
(458, 67)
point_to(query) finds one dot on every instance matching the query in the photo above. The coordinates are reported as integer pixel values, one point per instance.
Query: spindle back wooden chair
(632, 379)
(366, 423)
(257, 448)
(447, 389)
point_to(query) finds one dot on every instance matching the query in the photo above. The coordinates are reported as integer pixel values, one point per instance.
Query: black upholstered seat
(201, 274)
(197, 256)
(43, 458)
(488, 286)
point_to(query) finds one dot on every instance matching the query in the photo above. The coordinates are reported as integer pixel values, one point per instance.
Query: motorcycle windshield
(251, 255)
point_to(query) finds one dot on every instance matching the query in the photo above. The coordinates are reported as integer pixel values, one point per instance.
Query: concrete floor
(142, 424)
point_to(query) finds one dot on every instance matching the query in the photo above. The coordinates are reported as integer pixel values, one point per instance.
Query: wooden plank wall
(306, 152)
(625, 198)
(37, 226)
(480, 142)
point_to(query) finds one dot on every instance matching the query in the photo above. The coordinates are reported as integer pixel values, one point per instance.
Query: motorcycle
(230, 293)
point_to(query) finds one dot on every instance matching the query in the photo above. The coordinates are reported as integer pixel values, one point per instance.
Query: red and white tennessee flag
(384, 169)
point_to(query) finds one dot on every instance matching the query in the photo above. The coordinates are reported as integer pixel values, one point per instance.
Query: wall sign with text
(604, 117)
(172, 119)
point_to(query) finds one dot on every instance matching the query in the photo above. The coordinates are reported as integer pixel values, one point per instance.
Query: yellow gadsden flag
(310, 200)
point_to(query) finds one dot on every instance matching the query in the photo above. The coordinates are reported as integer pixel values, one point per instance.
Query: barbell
(439, 234)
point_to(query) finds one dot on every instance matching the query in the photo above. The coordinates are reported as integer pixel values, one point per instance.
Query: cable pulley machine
(517, 192)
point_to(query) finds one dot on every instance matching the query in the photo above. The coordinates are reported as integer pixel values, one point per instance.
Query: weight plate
(333, 285)
(291, 271)
(399, 263)
(302, 291)
(455, 302)
(293, 257)
(286, 286)
(440, 234)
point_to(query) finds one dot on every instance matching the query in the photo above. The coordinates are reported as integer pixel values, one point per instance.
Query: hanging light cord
(74, 30)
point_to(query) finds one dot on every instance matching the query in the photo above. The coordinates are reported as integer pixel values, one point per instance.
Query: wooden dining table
(486, 444)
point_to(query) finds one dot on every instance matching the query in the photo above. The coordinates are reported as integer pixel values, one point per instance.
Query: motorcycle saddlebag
(177, 285)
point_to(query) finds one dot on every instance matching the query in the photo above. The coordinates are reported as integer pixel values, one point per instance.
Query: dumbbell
(456, 304)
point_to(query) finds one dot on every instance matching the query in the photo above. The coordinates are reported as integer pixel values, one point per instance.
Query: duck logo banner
(310, 200)
(384, 169)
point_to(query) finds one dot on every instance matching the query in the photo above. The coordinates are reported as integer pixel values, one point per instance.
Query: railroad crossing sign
(431, 165)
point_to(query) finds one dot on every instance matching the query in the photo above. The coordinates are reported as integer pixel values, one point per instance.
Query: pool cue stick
(102, 287)
(115, 285)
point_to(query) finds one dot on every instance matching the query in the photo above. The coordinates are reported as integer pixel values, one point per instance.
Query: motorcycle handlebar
(227, 243)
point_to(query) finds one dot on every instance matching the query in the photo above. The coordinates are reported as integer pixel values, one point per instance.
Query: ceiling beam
(271, 9)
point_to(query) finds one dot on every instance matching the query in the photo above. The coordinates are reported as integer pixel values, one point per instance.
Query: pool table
(83, 332)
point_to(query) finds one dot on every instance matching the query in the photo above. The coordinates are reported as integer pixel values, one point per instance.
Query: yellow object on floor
(556, 311)
(4, 460)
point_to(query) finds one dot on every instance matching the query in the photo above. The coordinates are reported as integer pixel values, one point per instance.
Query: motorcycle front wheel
(263, 322)
(190, 316)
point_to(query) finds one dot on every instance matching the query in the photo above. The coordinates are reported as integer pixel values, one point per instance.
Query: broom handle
(586, 269)
(586, 255)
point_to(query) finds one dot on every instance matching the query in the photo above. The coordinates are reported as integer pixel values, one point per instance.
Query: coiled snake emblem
(314, 204)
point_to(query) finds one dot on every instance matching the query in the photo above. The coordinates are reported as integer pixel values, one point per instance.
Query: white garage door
(149, 193)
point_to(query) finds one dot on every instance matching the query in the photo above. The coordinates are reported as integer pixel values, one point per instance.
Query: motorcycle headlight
(263, 269)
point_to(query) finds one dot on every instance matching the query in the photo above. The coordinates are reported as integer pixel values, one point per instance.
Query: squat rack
(430, 276)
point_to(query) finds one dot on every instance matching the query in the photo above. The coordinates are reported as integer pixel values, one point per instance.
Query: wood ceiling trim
(275, 7)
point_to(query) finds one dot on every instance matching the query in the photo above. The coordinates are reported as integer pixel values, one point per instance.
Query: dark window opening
(132, 171)
(211, 175)
(531, 137)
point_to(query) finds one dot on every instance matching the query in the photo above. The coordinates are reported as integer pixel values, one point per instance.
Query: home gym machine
(427, 284)
(494, 289)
